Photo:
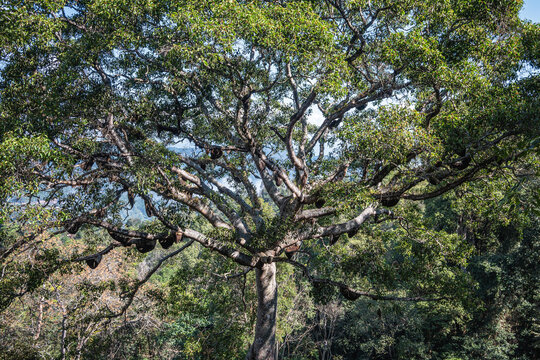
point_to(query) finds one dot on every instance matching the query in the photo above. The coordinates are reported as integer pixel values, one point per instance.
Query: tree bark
(264, 345)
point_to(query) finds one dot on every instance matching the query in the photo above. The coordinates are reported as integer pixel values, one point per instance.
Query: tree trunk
(264, 345)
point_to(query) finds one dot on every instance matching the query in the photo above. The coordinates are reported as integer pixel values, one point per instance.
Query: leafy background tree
(198, 113)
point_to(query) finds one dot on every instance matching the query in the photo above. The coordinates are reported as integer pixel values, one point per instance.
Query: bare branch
(347, 226)
(298, 162)
(224, 250)
(314, 213)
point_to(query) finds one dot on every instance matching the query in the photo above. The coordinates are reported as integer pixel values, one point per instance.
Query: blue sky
(531, 10)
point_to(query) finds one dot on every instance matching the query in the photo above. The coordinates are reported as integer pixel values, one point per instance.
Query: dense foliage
(374, 150)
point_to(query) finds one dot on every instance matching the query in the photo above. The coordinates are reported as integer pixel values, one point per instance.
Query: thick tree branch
(342, 228)
(224, 250)
(302, 171)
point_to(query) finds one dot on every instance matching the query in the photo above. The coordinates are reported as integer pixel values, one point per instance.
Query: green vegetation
(334, 179)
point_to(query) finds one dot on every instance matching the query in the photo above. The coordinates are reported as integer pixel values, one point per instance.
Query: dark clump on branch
(320, 203)
(145, 246)
(118, 237)
(334, 239)
(352, 233)
(390, 201)
(461, 151)
(87, 165)
(93, 262)
(216, 153)
(167, 241)
(334, 124)
(361, 106)
(73, 227)
(348, 293)
(433, 180)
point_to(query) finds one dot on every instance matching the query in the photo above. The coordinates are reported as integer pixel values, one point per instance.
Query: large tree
(283, 124)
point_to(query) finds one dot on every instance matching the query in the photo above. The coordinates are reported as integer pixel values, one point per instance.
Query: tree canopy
(260, 129)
